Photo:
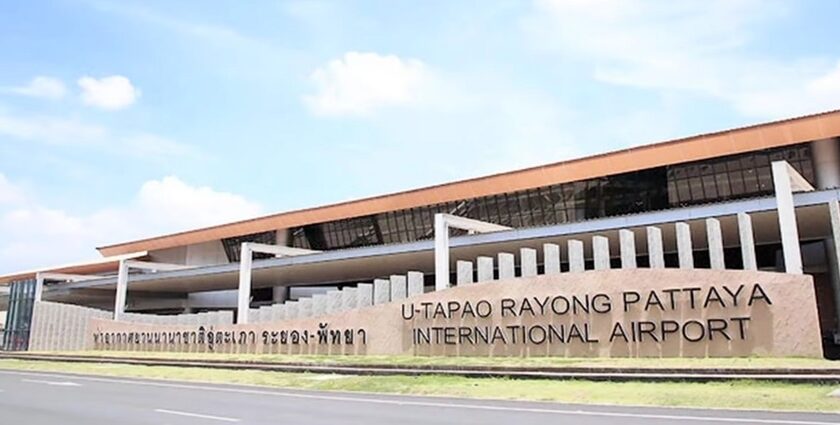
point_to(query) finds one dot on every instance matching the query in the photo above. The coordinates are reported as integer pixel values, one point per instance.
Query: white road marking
(197, 415)
(54, 383)
(353, 399)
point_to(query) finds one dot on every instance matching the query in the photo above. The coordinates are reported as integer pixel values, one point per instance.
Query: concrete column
(787, 217)
(656, 254)
(485, 269)
(364, 295)
(551, 261)
(576, 262)
(279, 294)
(305, 308)
(243, 303)
(292, 310)
(122, 290)
(685, 251)
(319, 305)
(278, 312)
(441, 253)
(834, 213)
(463, 273)
(627, 246)
(399, 288)
(745, 234)
(507, 266)
(601, 252)
(715, 240)
(528, 262)
(39, 287)
(415, 284)
(349, 299)
(826, 155)
(381, 291)
(334, 302)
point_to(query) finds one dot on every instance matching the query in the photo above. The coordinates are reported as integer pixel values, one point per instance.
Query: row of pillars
(601, 253)
(381, 291)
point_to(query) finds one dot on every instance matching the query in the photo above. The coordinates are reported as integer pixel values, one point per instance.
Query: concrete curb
(794, 375)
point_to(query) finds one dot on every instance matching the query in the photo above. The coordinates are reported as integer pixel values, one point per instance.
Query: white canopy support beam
(41, 277)
(246, 260)
(443, 222)
(786, 181)
(122, 279)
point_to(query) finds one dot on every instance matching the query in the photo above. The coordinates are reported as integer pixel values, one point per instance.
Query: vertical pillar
(399, 289)
(656, 254)
(319, 305)
(464, 273)
(528, 262)
(122, 289)
(292, 311)
(506, 266)
(244, 295)
(601, 252)
(415, 283)
(364, 296)
(381, 291)
(551, 261)
(715, 240)
(39, 287)
(576, 263)
(278, 312)
(441, 253)
(745, 235)
(787, 217)
(685, 251)
(627, 246)
(305, 308)
(485, 269)
(349, 299)
(334, 302)
(279, 294)
(834, 212)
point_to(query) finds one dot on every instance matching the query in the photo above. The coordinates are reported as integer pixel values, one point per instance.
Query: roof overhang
(363, 264)
(93, 267)
(735, 141)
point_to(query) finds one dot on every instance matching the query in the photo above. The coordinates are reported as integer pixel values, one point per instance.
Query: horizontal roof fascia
(740, 140)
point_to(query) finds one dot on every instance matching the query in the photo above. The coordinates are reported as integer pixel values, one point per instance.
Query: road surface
(35, 398)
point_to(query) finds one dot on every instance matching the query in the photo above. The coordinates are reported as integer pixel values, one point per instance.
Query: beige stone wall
(632, 313)
(66, 327)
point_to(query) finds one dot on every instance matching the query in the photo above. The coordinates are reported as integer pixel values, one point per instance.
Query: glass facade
(19, 316)
(233, 246)
(720, 179)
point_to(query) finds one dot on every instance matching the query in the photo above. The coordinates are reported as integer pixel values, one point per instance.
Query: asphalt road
(33, 398)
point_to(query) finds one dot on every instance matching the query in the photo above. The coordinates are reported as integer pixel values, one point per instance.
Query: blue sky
(123, 119)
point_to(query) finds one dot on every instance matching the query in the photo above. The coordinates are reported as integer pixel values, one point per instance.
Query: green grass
(732, 395)
(677, 363)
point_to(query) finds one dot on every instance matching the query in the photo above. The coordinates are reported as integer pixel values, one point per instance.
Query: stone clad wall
(606, 313)
(65, 327)
(61, 327)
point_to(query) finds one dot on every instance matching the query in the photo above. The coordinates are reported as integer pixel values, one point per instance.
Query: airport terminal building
(763, 197)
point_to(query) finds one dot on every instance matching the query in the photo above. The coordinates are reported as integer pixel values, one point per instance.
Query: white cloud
(360, 83)
(33, 234)
(110, 93)
(698, 48)
(42, 87)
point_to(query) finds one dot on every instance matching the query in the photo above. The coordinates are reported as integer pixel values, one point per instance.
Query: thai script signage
(620, 313)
